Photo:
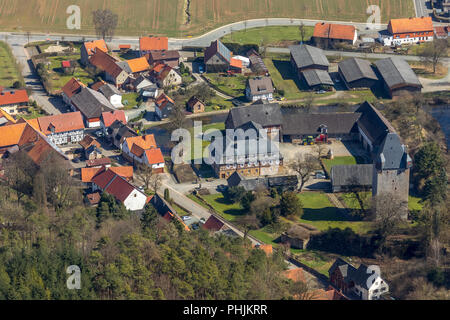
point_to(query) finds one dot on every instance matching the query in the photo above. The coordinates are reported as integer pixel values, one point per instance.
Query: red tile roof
(88, 141)
(92, 45)
(334, 31)
(13, 97)
(153, 43)
(154, 156)
(94, 198)
(120, 188)
(110, 117)
(236, 63)
(423, 24)
(145, 142)
(295, 275)
(103, 179)
(98, 162)
(106, 63)
(213, 224)
(65, 64)
(72, 87)
(61, 123)
(97, 85)
(124, 46)
(87, 174)
(163, 100)
(138, 64)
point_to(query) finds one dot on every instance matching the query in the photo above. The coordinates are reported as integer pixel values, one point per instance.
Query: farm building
(357, 73)
(317, 79)
(195, 105)
(297, 237)
(113, 72)
(348, 177)
(112, 94)
(169, 57)
(148, 44)
(257, 64)
(304, 57)
(397, 76)
(72, 87)
(408, 31)
(259, 88)
(328, 33)
(109, 117)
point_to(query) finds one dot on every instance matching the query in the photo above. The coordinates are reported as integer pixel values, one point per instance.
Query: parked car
(320, 175)
(320, 92)
(195, 226)
(202, 220)
(99, 133)
(186, 218)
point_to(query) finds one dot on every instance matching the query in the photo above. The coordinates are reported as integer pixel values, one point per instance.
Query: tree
(248, 222)
(19, 171)
(234, 194)
(302, 30)
(155, 182)
(320, 151)
(177, 116)
(304, 166)
(105, 22)
(149, 217)
(246, 200)
(145, 173)
(290, 205)
(433, 52)
(360, 193)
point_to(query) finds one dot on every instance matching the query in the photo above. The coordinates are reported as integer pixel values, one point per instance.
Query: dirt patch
(55, 48)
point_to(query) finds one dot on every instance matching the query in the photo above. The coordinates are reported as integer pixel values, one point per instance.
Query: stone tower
(391, 170)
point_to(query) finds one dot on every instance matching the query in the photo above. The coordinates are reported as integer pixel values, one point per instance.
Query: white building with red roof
(408, 31)
(143, 149)
(62, 128)
(109, 117)
(11, 101)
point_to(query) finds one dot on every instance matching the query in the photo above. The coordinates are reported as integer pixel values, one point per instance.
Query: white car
(186, 218)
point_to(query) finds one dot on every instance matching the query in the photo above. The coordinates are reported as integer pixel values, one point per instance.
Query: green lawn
(413, 203)
(228, 211)
(57, 76)
(328, 163)
(9, 69)
(269, 36)
(231, 85)
(131, 98)
(218, 103)
(319, 212)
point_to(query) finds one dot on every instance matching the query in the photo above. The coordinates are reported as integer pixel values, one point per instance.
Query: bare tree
(19, 171)
(303, 166)
(360, 193)
(145, 173)
(302, 30)
(105, 22)
(320, 151)
(433, 52)
(248, 222)
(177, 116)
(155, 182)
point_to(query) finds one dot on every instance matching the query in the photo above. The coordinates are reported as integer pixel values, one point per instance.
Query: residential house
(109, 117)
(143, 149)
(62, 128)
(164, 106)
(90, 47)
(135, 66)
(168, 57)
(305, 57)
(257, 64)
(98, 163)
(165, 76)
(91, 104)
(87, 174)
(213, 224)
(91, 148)
(112, 71)
(166, 210)
(398, 77)
(14, 101)
(329, 33)
(72, 87)
(112, 94)
(442, 32)
(259, 88)
(108, 181)
(6, 118)
(217, 57)
(195, 105)
(361, 282)
(317, 79)
(346, 178)
(118, 132)
(408, 31)
(148, 44)
(357, 73)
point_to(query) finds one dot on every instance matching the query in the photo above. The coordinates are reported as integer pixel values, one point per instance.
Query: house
(72, 87)
(112, 71)
(281, 183)
(143, 149)
(213, 224)
(6, 118)
(14, 101)
(408, 31)
(165, 76)
(62, 128)
(91, 148)
(441, 32)
(108, 181)
(305, 57)
(98, 163)
(259, 88)
(109, 117)
(357, 73)
(296, 236)
(148, 44)
(164, 106)
(87, 174)
(328, 33)
(236, 65)
(118, 132)
(136, 66)
(168, 57)
(257, 64)
(195, 105)
(397, 76)
(91, 104)
(348, 177)
(112, 94)
(217, 57)
(362, 282)
(90, 47)
(317, 79)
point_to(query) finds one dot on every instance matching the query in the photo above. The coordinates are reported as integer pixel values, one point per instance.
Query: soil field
(167, 17)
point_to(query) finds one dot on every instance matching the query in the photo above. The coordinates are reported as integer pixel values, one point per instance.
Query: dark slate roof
(283, 181)
(360, 276)
(296, 122)
(91, 103)
(354, 69)
(268, 114)
(315, 77)
(397, 72)
(374, 125)
(256, 62)
(305, 56)
(260, 85)
(352, 175)
(251, 184)
(392, 154)
(344, 267)
(217, 47)
(109, 90)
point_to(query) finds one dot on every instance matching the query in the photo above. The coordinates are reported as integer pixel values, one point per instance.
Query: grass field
(59, 78)
(268, 36)
(233, 86)
(9, 70)
(167, 17)
(338, 161)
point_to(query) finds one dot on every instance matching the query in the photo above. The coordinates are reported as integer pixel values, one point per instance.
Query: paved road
(421, 7)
